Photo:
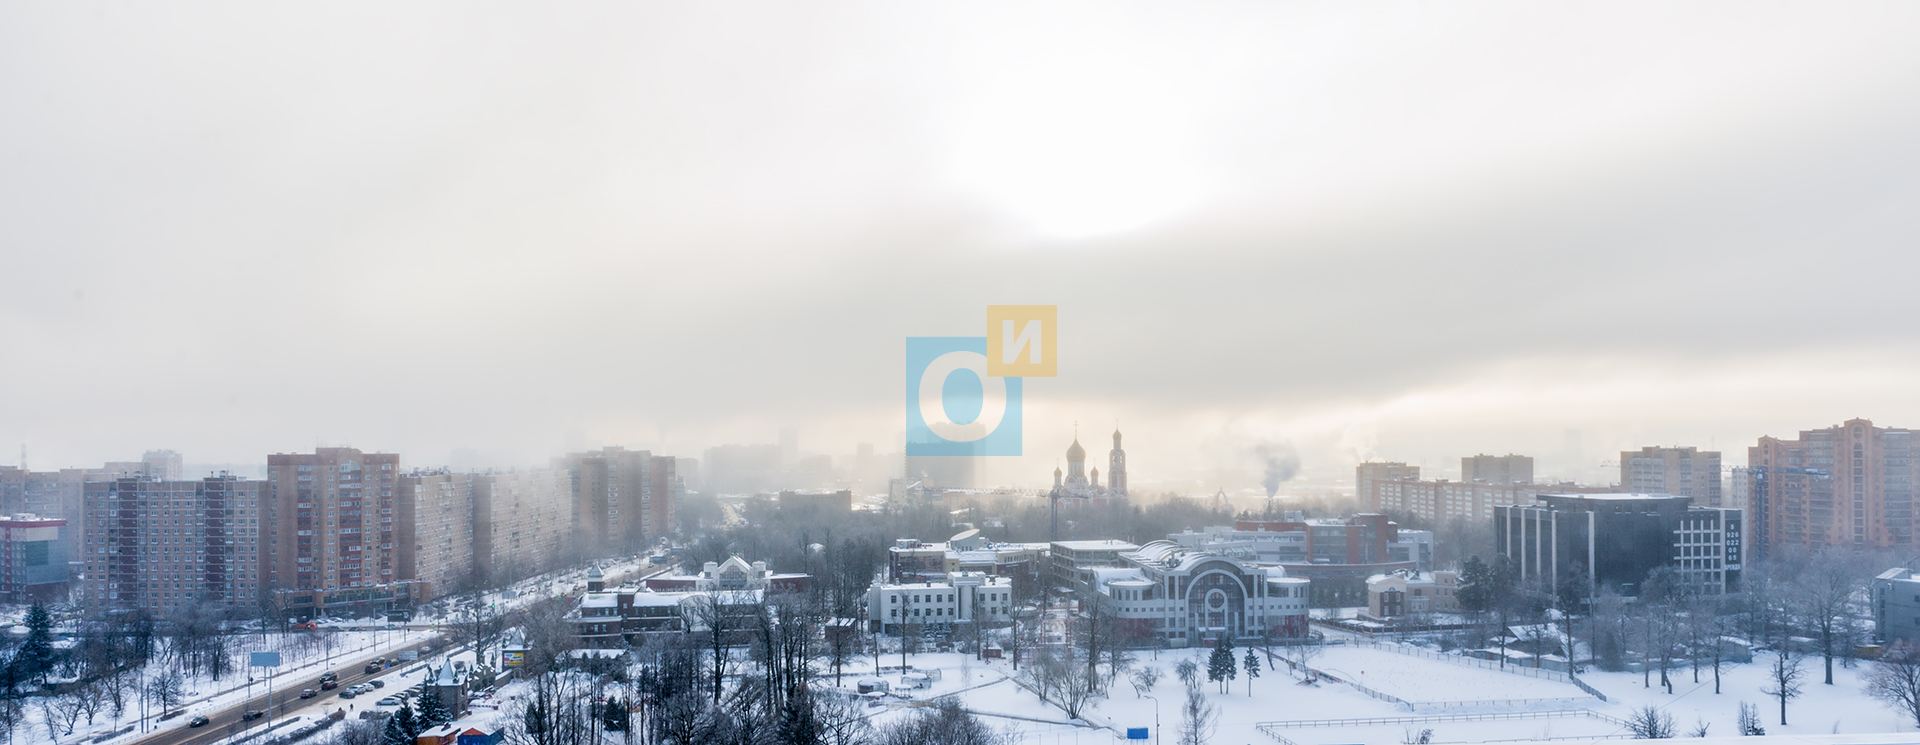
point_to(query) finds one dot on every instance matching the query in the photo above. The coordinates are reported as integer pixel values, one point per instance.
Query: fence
(1272, 729)
(1591, 691)
(1531, 672)
(1499, 702)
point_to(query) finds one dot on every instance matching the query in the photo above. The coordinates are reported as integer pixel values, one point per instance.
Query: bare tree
(841, 720)
(1144, 679)
(1749, 721)
(1784, 679)
(1650, 723)
(1189, 673)
(1198, 718)
(1895, 679)
(165, 689)
(1823, 590)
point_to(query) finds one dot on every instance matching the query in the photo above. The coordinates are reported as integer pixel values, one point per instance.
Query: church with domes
(1081, 485)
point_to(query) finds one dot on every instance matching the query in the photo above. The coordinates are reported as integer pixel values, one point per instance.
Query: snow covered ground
(1822, 710)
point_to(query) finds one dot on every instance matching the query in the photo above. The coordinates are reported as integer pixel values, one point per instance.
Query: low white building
(1166, 593)
(964, 597)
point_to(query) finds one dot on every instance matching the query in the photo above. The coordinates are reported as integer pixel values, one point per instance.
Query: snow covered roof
(599, 600)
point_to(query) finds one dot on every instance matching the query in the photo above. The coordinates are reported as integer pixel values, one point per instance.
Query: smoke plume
(1281, 463)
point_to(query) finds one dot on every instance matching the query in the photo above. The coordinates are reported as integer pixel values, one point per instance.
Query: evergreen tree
(1253, 670)
(798, 724)
(35, 657)
(613, 716)
(396, 733)
(433, 711)
(1220, 666)
(409, 723)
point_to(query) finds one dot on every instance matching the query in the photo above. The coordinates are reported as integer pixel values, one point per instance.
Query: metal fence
(1272, 729)
(1531, 672)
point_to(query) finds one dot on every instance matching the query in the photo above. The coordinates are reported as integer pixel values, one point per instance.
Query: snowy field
(1421, 680)
(1822, 710)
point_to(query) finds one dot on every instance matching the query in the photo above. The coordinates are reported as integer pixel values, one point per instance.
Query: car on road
(197, 721)
(307, 693)
(251, 715)
(328, 685)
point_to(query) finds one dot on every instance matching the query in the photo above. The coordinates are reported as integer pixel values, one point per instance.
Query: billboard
(264, 659)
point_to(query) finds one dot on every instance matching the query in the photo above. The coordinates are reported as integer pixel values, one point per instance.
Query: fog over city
(489, 234)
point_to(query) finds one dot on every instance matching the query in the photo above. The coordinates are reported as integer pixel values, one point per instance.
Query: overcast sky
(1373, 230)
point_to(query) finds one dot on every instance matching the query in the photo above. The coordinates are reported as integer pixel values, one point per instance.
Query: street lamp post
(1156, 718)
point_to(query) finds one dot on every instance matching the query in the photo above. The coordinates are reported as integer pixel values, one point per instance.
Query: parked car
(388, 701)
(251, 715)
(379, 684)
(348, 693)
(196, 721)
(307, 693)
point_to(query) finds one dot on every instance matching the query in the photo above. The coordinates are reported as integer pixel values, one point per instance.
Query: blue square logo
(953, 406)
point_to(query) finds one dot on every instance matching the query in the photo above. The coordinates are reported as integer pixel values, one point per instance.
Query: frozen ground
(1822, 710)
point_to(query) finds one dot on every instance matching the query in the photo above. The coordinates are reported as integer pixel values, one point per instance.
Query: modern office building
(49, 494)
(1847, 485)
(332, 539)
(168, 545)
(1070, 564)
(1366, 473)
(1685, 472)
(1499, 470)
(1617, 539)
(521, 519)
(33, 559)
(1896, 606)
(1166, 593)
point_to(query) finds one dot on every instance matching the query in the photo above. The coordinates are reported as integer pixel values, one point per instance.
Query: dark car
(328, 685)
(379, 684)
(307, 693)
(348, 693)
(196, 721)
(251, 715)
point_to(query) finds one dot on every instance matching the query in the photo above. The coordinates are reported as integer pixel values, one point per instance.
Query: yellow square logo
(1021, 341)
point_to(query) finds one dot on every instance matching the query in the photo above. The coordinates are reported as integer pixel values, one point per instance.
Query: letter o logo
(933, 406)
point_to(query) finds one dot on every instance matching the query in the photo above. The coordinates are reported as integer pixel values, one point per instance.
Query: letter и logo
(953, 406)
(1022, 340)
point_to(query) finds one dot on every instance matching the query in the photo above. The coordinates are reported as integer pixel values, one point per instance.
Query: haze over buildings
(600, 216)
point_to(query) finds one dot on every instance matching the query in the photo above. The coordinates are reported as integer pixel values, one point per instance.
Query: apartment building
(1366, 473)
(433, 531)
(1440, 501)
(1680, 471)
(168, 545)
(52, 494)
(1846, 485)
(520, 521)
(612, 495)
(1499, 470)
(331, 531)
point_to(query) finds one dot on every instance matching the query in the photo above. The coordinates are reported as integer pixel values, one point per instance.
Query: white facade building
(965, 597)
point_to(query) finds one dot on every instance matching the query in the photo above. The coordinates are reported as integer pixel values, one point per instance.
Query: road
(286, 696)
